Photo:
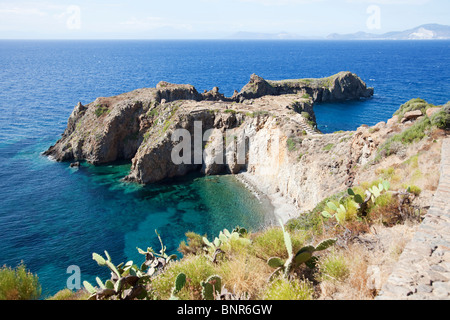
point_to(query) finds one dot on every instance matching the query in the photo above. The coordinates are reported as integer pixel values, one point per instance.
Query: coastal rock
(265, 136)
(173, 92)
(256, 88)
(411, 115)
(339, 87)
(75, 165)
(431, 111)
(213, 95)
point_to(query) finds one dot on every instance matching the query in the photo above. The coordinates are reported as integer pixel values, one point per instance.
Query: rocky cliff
(265, 130)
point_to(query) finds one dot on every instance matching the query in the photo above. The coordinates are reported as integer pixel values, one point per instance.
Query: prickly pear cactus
(211, 287)
(180, 282)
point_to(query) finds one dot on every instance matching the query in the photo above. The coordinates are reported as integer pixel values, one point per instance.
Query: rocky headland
(274, 120)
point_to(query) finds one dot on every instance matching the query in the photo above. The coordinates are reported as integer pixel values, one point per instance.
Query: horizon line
(214, 39)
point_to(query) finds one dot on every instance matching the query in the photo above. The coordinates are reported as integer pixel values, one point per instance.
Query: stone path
(301, 121)
(423, 270)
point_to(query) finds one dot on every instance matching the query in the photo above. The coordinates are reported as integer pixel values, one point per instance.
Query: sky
(211, 19)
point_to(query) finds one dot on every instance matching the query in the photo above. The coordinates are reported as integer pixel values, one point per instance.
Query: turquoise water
(56, 216)
(52, 216)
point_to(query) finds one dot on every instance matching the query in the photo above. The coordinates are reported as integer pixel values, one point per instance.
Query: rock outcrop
(339, 87)
(266, 130)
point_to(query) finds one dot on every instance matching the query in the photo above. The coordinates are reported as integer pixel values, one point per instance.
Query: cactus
(156, 262)
(338, 211)
(127, 280)
(180, 282)
(242, 231)
(224, 238)
(211, 287)
(304, 255)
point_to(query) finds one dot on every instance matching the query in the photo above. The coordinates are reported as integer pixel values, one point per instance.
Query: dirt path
(423, 270)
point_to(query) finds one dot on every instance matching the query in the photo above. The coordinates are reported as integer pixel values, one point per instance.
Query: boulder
(411, 115)
(75, 165)
(431, 111)
(392, 121)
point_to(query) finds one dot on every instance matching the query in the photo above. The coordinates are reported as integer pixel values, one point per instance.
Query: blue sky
(206, 19)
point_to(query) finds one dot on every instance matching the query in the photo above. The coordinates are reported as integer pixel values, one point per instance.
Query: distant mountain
(423, 32)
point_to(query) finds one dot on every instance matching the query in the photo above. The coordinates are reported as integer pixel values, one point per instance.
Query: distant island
(423, 32)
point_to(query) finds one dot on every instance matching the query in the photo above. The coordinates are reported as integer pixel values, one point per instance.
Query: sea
(53, 217)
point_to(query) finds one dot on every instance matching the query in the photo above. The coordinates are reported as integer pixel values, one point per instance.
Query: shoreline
(282, 209)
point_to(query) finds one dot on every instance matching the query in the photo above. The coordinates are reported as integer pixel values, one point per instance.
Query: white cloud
(22, 11)
(39, 16)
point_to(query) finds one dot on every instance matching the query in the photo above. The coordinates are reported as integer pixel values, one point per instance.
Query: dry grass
(354, 285)
(68, 295)
(369, 263)
(245, 274)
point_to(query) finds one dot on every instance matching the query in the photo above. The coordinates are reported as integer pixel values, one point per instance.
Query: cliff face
(265, 130)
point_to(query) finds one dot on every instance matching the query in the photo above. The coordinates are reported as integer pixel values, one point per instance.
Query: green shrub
(153, 113)
(441, 119)
(309, 221)
(197, 269)
(413, 161)
(351, 212)
(147, 136)
(167, 125)
(412, 105)
(306, 115)
(312, 221)
(384, 200)
(413, 134)
(194, 244)
(415, 190)
(387, 173)
(306, 96)
(283, 289)
(291, 144)
(101, 110)
(19, 284)
(270, 243)
(328, 147)
(257, 114)
(67, 294)
(333, 267)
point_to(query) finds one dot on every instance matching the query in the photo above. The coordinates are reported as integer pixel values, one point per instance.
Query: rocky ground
(423, 269)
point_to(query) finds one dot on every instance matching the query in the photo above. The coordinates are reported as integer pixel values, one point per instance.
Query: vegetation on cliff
(18, 284)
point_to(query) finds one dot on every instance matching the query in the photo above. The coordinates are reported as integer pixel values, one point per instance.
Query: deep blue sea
(52, 216)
